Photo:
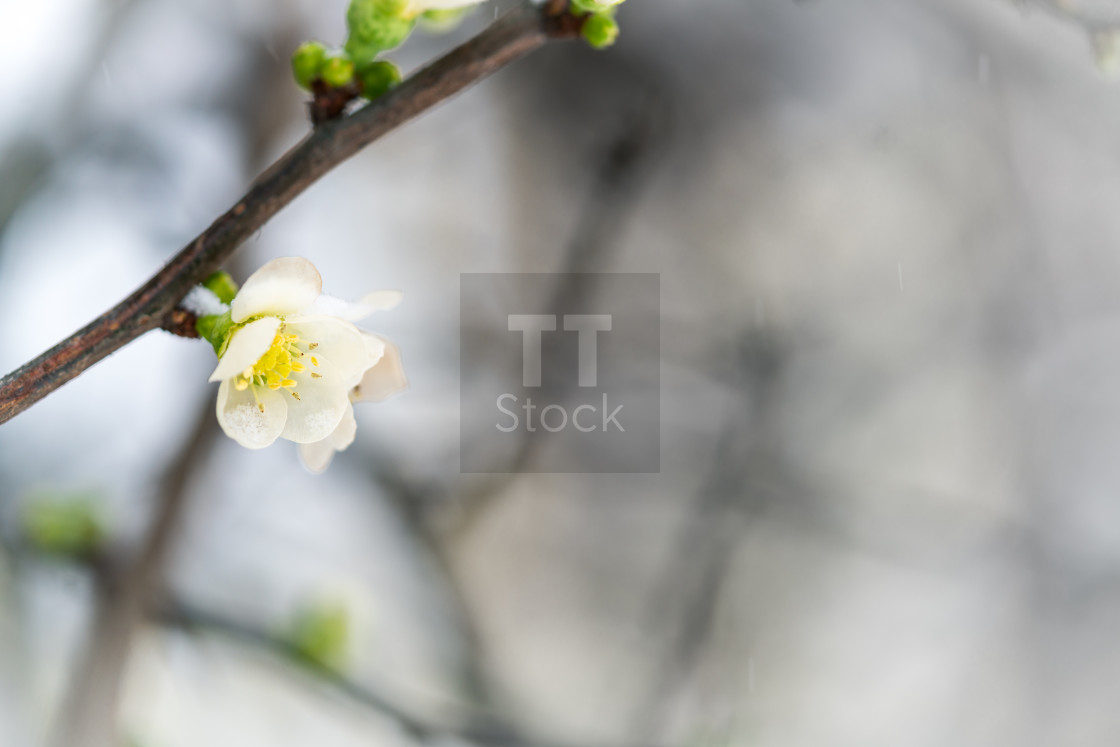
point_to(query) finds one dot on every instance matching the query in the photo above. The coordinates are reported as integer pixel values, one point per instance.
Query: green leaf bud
(221, 285)
(338, 70)
(378, 77)
(307, 62)
(320, 636)
(600, 31)
(67, 527)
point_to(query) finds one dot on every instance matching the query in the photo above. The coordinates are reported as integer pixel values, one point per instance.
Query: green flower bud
(67, 527)
(338, 71)
(600, 31)
(215, 329)
(221, 285)
(375, 26)
(307, 62)
(377, 78)
(320, 636)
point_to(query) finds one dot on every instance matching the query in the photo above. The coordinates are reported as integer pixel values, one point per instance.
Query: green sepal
(378, 77)
(68, 527)
(320, 636)
(221, 285)
(600, 30)
(307, 63)
(215, 329)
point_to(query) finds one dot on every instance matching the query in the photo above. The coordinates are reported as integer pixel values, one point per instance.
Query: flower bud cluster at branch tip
(374, 26)
(291, 363)
(600, 30)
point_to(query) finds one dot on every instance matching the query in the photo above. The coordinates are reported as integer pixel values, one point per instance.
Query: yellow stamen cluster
(274, 369)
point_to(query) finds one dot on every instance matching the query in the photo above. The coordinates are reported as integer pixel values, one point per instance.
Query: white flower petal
(371, 303)
(384, 378)
(382, 300)
(317, 456)
(337, 341)
(246, 347)
(321, 403)
(285, 285)
(241, 416)
(375, 347)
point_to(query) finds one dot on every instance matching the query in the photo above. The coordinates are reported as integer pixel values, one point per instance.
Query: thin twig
(194, 619)
(517, 33)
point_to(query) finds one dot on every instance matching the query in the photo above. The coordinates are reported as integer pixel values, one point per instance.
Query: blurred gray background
(889, 505)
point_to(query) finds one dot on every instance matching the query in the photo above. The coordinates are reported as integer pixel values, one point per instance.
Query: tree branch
(90, 715)
(149, 307)
(196, 620)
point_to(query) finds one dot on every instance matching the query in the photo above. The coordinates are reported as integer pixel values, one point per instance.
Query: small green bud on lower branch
(66, 527)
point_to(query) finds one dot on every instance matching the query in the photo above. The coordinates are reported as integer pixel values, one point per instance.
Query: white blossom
(294, 358)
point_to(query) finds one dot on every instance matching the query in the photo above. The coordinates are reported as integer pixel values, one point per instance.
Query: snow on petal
(252, 417)
(317, 456)
(286, 285)
(246, 346)
(317, 404)
(386, 377)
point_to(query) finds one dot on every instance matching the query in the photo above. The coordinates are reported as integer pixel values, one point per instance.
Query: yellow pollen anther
(274, 368)
(316, 375)
(314, 361)
(261, 405)
(312, 346)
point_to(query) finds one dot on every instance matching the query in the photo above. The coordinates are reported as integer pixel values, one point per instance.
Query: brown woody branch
(153, 304)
